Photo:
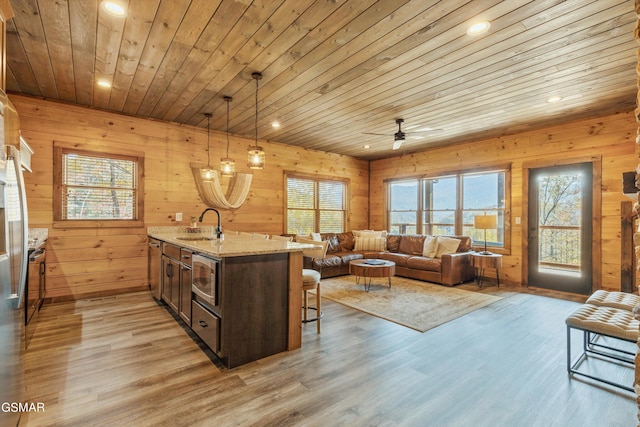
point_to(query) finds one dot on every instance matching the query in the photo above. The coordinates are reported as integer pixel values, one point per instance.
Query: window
(403, 196)
(96, 186)
(447, 205)
(315, 205)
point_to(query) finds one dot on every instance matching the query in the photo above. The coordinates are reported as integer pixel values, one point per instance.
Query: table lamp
(485, 222)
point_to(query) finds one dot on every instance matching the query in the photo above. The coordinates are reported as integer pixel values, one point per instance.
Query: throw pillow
(369, 233)
(378, 244)
(447, 245)
(316, 237)
(430, 246)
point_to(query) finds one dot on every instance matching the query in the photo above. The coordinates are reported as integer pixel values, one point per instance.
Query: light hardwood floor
(125, 361)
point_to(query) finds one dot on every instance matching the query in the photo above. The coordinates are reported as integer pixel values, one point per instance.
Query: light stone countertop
(231, 246)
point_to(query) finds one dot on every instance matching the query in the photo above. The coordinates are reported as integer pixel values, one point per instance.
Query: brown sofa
(403, 249)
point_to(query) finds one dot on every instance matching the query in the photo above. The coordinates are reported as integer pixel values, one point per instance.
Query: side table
(481, 261)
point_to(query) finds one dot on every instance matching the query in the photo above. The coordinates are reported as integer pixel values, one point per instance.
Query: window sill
(88, 223)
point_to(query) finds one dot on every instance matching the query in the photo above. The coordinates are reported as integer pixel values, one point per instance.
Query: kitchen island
(254, 311)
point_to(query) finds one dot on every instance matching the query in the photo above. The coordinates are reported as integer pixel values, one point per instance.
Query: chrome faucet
(218, 227)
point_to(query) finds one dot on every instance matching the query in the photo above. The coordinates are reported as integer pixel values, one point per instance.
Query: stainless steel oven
(204, 280)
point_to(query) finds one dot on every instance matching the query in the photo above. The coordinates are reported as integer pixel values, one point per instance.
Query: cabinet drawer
(172, 251)
(206, 325)
(185, 256)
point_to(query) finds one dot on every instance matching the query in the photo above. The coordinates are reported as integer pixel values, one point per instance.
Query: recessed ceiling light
(366, 146)
(275, 125)
(114, 8)
(104, 83)
(478, 28)
(554, 98)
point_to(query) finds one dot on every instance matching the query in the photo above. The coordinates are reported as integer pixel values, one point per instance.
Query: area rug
(415, 304)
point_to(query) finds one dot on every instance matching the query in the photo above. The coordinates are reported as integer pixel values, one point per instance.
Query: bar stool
(311, 278)
(310, 282)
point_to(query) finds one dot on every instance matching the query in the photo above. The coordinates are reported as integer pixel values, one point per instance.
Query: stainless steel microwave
(205, 279)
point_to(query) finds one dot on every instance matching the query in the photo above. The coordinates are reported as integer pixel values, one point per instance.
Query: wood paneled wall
(90, 262)
(611, 137)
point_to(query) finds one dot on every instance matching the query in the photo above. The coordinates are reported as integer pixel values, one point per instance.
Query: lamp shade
(255, 158)
(207, 174)
(227, 166)
(485, 222)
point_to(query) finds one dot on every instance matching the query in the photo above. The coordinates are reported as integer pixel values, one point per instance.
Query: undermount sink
(195, 238)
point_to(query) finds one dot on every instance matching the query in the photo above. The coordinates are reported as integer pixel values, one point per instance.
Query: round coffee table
(368, 268)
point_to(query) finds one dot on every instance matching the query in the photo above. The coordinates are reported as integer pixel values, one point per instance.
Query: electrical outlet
(179, 216)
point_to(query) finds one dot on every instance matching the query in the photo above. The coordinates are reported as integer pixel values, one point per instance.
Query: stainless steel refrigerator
(13, 264)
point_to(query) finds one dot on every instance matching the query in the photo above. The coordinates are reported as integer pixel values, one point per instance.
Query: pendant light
(255, 153)
(207, 173)
(227, 164)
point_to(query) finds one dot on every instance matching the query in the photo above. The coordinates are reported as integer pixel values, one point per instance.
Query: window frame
(316, 180)
(422, 228)
(62, 148)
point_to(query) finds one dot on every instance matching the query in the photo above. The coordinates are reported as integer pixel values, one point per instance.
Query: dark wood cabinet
(250, 317)
(171, 282)
(185, 285)
(176, 280)
(253, 307)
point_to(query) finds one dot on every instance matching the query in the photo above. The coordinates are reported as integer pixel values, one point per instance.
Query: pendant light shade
(255, 153)
(207, 173)
(227, 164)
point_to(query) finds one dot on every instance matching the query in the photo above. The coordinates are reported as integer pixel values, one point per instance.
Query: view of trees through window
(446, 205)
(559, 221)
(98, 187)
(315, 205)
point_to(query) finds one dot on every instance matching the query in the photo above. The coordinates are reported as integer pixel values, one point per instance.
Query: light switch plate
(179, 216)
(517, 220)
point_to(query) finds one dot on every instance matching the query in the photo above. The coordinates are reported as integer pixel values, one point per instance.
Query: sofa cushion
(393, 242)
(371, 244)
(349, 256)
(329, 260)
(333, 244)
(447, 245)
(399, 259)
(466, 242)
(411, 244)
(424, 263)
(346, 241)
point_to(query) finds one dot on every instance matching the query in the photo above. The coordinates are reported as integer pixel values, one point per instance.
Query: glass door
(560, 228)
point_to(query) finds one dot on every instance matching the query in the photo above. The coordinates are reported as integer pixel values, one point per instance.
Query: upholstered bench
(619, 300)
(611, 322)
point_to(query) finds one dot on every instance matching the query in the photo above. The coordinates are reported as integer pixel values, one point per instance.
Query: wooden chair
(311, 281)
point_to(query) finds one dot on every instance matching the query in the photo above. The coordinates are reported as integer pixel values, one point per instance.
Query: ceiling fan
(400, 136)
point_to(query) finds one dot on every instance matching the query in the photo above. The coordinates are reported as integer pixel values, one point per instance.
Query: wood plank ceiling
(334, 71)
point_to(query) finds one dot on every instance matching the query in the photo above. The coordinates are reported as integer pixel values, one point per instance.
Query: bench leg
(572, 367)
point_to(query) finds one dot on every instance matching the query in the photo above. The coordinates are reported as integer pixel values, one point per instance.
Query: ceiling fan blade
(426, 132)
(376, 134)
